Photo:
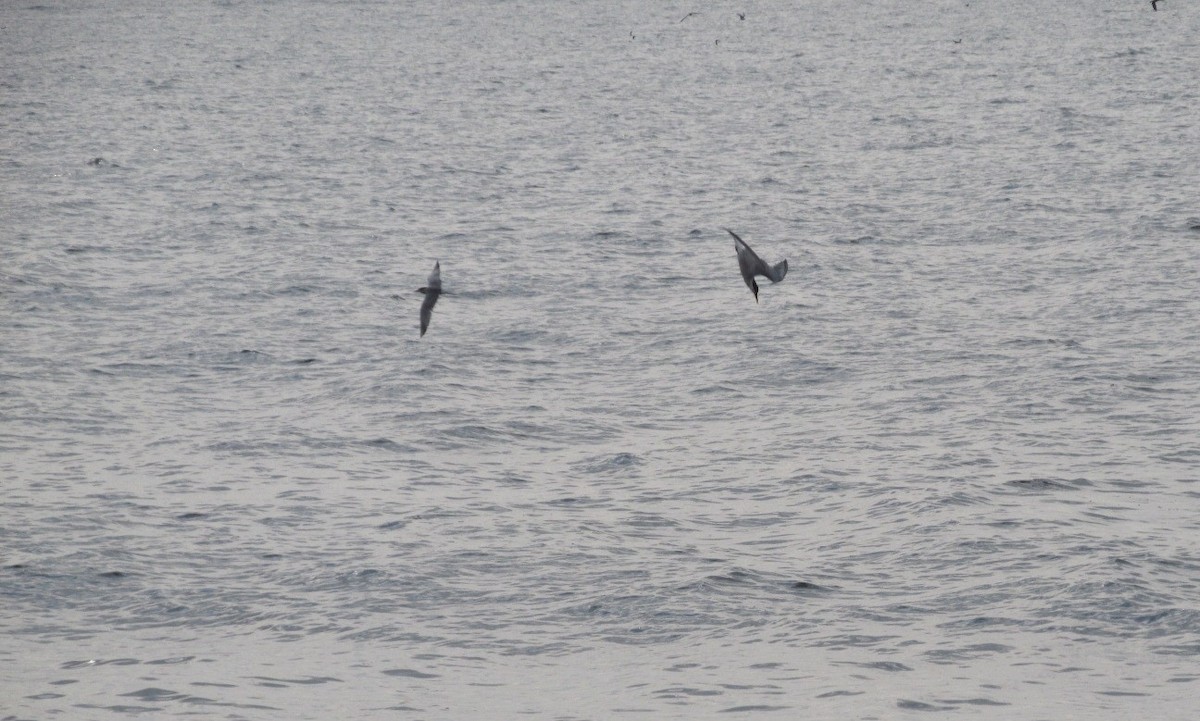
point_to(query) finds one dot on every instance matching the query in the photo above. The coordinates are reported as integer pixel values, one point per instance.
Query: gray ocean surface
(950, 464)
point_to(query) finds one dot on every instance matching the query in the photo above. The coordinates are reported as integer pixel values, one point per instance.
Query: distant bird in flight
(751, 265)
(741, 16)
(432, 289)
(685, 17)
(1154, 4)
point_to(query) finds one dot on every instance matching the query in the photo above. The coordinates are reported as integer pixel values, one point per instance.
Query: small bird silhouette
(751, 265)
(432, 289)
(685, 17)
(1154, 4)
(741, 16)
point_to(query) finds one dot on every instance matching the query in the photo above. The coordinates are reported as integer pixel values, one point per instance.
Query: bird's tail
(778, 271)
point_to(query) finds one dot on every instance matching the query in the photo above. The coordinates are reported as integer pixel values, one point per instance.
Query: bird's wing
(738, 243)
(748, 260)
(431, 297)
(777, 271)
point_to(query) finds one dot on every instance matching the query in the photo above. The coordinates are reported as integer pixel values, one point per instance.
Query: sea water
(949, 464)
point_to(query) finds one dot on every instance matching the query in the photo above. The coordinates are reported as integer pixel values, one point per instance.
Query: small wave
(409, 673)
(1129, 53)
(136, 370)
(610, 464)
(717, 389)
(806, 586)
(306, 681)
(1041, 484)
(388, 444)
(475, 432)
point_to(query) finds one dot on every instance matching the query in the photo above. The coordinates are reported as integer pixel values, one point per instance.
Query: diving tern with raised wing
(432, 289)
(751, 265)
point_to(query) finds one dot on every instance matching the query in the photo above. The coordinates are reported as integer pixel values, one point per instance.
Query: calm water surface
(949, 464)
